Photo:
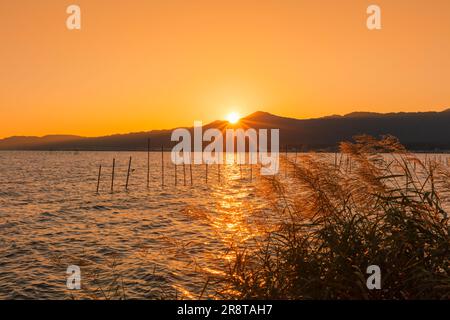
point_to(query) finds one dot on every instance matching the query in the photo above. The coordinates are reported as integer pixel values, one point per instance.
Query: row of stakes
(337, 163)
(184, 171)
(348, 168)
(162, 172)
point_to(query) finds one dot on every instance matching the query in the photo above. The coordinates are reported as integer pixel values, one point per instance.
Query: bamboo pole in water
(190, 170)
(99, 174)
(286, 159)
(184, 173)
(251, 172)
(218, 171)
(112, 175)
(128, 174)
(206, 173)
(240, 167)
(176, 178)
(148, 162)
(162, 166)
(294, 165)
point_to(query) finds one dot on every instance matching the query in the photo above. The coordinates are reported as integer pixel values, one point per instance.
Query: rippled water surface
(156, 239)
(150, 242)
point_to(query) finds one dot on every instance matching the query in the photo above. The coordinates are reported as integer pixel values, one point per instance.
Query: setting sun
(233, 117)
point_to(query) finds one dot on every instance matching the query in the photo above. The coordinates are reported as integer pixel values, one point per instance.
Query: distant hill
(421, 131)
(25, 142)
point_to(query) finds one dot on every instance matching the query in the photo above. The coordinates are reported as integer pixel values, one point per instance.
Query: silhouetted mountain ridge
(427, 131)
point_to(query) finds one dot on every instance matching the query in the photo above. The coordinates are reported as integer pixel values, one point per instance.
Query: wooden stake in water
(406, 178)
(112, 175)
(251, 172)
(162, 166)
(148, 163)
(218, 171)
(190, 170)
(99, 174)
(240, 167)
(295, 162)
(176, 179)
(184, 173)
(206, 173)
(128, 174)
(286, 158)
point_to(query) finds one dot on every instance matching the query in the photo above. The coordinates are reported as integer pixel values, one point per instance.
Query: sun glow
(233, 118)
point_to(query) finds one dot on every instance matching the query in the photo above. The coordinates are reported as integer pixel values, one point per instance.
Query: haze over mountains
(422, 131)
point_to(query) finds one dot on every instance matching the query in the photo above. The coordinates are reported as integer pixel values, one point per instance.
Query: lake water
(155, 242)
(164, 241)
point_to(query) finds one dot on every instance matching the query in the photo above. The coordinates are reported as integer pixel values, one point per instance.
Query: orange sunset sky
(149, 64)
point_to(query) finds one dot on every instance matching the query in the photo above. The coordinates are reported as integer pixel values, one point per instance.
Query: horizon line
(445, 109)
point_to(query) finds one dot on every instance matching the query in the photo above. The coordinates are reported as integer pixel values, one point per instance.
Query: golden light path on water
(156, 242)
(142, 243)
